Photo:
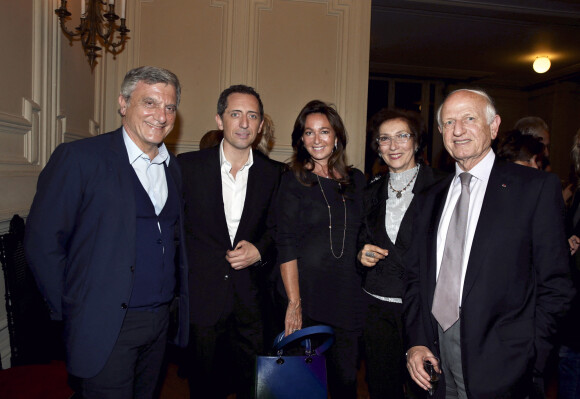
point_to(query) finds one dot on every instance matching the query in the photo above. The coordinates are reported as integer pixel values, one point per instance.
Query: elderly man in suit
(101, 242)
(228, 190)
(487, 275)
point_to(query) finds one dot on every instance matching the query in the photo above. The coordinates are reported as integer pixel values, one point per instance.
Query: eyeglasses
(401, 138)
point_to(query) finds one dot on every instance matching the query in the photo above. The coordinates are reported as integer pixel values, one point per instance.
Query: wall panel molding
(14, 132)
(253, 58)
(110, 72)
(226, 59)
(352, 62)
(31, 112)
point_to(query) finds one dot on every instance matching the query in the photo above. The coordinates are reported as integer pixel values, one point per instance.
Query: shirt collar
(224, 161)
(482, 170)
(135, 152)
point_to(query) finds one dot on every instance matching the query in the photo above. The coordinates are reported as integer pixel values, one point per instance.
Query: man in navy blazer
(514, 273)
(228, 190)
(101, 242)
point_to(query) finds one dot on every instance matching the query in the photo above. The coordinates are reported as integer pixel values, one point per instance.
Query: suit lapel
(378, 214)
(438, 205)
(214, 190)
(495, 194)
(118, 163)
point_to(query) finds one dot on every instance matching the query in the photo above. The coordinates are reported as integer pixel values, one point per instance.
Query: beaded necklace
(330, 218)
(400, 192)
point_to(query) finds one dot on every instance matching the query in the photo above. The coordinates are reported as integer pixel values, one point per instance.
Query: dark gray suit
(516, 285)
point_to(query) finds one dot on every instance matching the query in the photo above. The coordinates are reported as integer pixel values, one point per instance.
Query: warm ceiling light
(541, 64)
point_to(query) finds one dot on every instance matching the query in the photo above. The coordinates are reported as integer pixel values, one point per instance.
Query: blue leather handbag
(291, 377)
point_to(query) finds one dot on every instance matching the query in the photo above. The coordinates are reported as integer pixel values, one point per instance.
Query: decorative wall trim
(353, 41)
(253, 60)
(15, 129)
(94, 127)
(341, 13)
(31, 111)
(282, 153)
(500, 7)
(25, 126)
(398, 69)
(74, 136)
(110, 72)
(226, 58)
(47, 76)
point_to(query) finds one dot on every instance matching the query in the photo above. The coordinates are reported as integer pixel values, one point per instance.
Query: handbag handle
(280, 342)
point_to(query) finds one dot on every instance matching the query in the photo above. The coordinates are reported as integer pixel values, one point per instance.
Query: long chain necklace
(400, 192)
(330, 218)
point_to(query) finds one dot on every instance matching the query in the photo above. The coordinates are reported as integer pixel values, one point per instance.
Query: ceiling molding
(420, 70)
(478, 10)
(503, 7)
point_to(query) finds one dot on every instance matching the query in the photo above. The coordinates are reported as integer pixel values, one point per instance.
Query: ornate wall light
(541, 64)
(96, 26)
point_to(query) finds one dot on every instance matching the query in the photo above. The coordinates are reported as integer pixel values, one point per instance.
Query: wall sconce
(541, 64)
(93, 26)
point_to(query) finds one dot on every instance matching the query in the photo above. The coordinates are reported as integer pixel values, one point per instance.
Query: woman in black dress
(385, 236)
(319, 209)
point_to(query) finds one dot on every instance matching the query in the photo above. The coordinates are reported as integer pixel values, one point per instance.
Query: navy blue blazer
(516, 285)
(80, 244)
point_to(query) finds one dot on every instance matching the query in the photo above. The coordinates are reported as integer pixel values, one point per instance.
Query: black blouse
(329, 287)
(387, 277)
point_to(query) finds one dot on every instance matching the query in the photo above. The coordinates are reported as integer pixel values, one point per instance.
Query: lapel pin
(503, 185)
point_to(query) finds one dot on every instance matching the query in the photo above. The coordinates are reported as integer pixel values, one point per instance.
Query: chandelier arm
(98, 24)
(122, 36)
(68, 32)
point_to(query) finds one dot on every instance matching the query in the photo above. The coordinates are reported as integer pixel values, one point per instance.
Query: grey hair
(531, 125)
(149, 75)
(490, 111)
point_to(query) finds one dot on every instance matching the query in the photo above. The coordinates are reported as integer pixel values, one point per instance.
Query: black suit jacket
(516, 285)
(80, 244)
(212, 281)
(387, 277)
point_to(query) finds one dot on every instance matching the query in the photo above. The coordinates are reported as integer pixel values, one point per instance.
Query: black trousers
(133, 369)
(341, 360)
(221, 358)
(383, 346)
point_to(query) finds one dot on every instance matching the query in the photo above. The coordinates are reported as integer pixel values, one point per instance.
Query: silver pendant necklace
(330, 218)
(400, 192)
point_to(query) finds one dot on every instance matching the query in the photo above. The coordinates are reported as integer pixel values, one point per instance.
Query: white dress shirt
(151, 173)
(478, 185)
(234, 191)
